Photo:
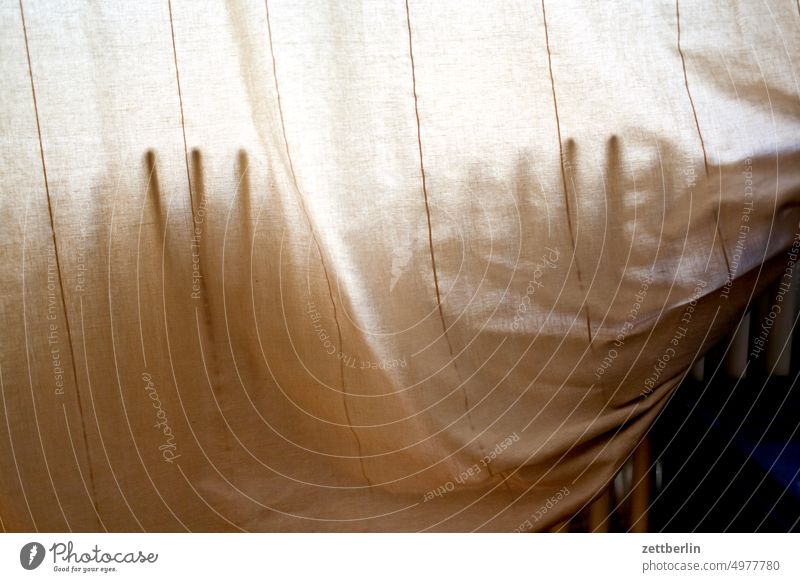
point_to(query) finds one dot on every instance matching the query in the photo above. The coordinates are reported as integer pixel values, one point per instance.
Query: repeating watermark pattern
(80, 256)
(316, 320)
(547, 506)
(168, 448)
(784, 284)
(630, 320)
(348, 360)
(744, 228)
(352, 361)
(53, 330)
(547, 261)
(689, 171)
(671, 350)
(473, 470)
(197, 235)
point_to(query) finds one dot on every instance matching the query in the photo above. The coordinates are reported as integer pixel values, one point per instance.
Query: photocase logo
(31, 555)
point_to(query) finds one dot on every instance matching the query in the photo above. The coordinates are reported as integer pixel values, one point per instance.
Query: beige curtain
(370, 266)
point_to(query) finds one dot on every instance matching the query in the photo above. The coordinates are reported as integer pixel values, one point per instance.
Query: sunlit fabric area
(399, 266)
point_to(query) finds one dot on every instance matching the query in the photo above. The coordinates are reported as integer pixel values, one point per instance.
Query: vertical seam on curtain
(462, 384)
(180, 103)
(93, 496)
(424, 182)
(717, 231)
(686, 84)
(564, 174)
(316, 243)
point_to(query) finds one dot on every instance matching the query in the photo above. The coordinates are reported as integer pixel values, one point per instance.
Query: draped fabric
(372, 266)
